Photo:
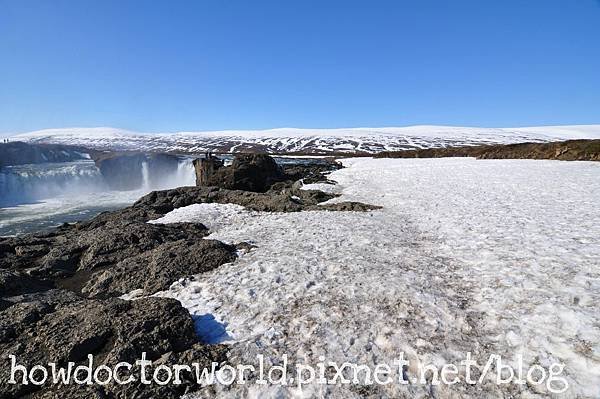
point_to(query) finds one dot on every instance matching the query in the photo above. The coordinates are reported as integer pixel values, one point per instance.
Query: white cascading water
(45, 195)
(26, 183)
(145, 177)
(185, 175)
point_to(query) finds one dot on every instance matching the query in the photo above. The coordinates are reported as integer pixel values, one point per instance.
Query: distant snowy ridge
(312, 141)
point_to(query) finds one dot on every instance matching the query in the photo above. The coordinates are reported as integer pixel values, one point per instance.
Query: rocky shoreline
(60, 290)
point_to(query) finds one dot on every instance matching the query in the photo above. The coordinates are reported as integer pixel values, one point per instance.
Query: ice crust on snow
(481, 256)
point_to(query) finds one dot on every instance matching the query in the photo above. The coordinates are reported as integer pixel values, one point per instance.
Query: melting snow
(466, 256)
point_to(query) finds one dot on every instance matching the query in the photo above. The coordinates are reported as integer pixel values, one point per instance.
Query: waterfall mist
(29, 183)
(37, 196)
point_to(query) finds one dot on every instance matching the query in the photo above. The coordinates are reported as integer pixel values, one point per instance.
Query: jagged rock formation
(58, 298)
(94, 257)
(206, 169)
(250, 172)
(256, 172)
(313, 172)
(572, 150)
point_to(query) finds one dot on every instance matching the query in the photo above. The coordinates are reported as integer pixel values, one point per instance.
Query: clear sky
(219, 64)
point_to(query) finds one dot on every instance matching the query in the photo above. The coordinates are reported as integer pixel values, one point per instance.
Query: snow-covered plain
(482, 256)
(291, 140)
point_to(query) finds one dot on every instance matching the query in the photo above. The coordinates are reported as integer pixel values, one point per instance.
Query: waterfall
(185, 175)
(27, 183)
(145, 176)
(35, 182)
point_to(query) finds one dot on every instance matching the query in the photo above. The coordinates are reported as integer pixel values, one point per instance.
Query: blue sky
(200, 65)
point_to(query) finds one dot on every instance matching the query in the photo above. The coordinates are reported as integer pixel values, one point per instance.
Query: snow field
(488, 257)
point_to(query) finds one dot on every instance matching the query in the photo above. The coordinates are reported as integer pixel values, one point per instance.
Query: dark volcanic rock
(153, 270)
(111, 330)
(14, 282)
(283, 197)
(116, 240)
(348, 206)
(258, 172)
(255, 172)
(110, 253)
(167, 200)
(4, 304)
(205, 169)
(248, 172)
(311, 172)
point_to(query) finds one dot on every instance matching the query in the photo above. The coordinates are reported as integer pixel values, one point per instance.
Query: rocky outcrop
(154, 270)
(249, 172)
(311, 172)
(206, 169)
(58, 326)
(572, 150)
(110, 255)
(58, 300)
(19, 153)
(282, 197)
(257, 172)
(254, 172)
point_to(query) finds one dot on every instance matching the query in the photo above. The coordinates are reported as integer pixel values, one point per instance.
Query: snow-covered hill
(290, 140)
